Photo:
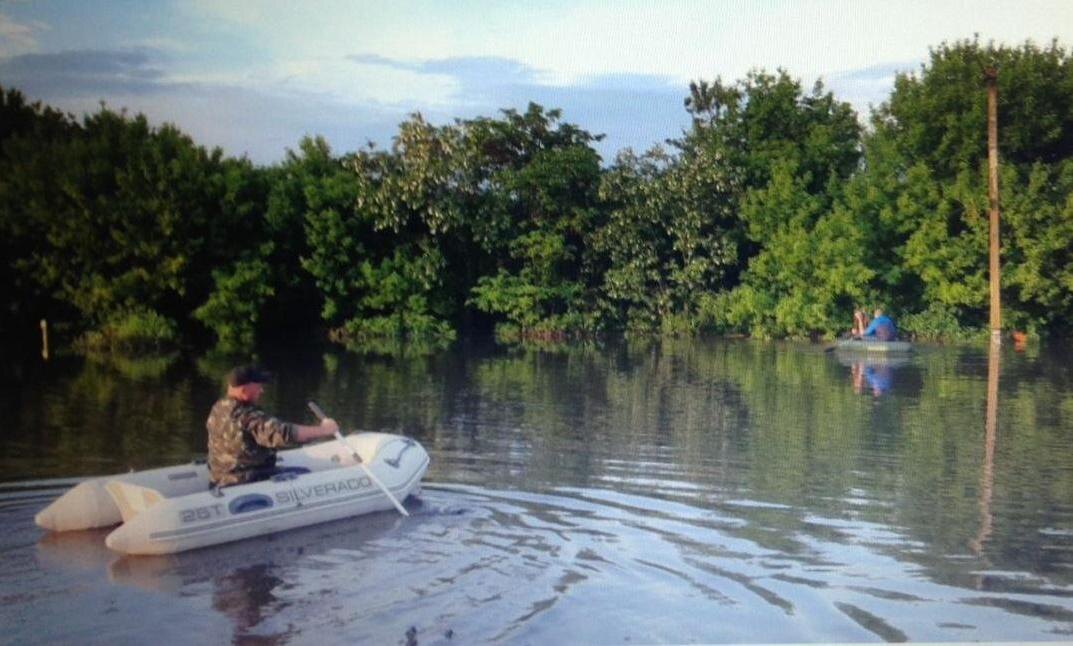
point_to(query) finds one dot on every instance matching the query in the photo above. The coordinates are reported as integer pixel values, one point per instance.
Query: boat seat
(288, 473)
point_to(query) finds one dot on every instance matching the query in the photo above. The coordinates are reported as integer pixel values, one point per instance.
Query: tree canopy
(776, 213)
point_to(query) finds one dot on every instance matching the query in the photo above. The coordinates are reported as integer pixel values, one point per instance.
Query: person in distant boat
(881, 328)
(860, 322)
(243, 439)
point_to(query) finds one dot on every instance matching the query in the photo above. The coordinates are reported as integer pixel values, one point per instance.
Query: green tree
(234, 307)
(309, 183)
(25, 129)
(788, 154)
(538, 180)
(767, 119)
(669, 241)
(379, 264)
(810, 272)
(123, 221)
(926, 177)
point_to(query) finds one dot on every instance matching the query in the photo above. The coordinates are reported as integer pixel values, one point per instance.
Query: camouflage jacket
(242, 441)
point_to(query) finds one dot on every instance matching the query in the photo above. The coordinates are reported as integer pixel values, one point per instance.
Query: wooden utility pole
(44, 339)
(991, 78)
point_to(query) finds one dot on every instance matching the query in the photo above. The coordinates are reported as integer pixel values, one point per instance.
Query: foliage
(791, 153)
(536, 211)
(116, 216)
(939, 323)
(379, 262)
(1037, 220)
(234, 307)
(927, 177)
(767, 119)
(774, 214)
(810, 275)
(669, 238)
(309, 182)
(134, 330)
(24, 129)
(938, 115)
(396, 305)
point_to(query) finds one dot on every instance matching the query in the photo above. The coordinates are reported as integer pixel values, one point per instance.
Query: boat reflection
(247, 580)
(74, 551)
(872, 374)
(244, 585)
(246, 596)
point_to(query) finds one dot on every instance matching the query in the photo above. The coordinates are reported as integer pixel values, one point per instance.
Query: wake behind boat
(173, 509)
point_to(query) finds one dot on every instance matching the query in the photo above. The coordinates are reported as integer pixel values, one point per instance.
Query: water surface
(671, 493)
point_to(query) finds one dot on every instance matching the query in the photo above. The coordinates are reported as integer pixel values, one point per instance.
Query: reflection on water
(483, 565)
(873, 374)
(679, 492)
(246, 596)
(877, 378)
(987, 469)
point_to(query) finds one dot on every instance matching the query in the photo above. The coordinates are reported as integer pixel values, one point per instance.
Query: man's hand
(328, 427)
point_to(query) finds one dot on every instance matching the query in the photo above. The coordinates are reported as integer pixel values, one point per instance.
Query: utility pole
(44, 339)
(991, 78)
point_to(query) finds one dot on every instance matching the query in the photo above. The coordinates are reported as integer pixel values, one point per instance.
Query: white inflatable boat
(869, 345)
(173, 509)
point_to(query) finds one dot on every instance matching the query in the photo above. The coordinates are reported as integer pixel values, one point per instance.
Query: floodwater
(676, 492)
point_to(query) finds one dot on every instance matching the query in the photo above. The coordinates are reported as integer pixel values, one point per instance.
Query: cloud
(884, 72)
(263, 119)
(453, 81)
(867, 87)
(631, 110)
(254, 120)
(481, 70)
(18, 38)
(74, 73)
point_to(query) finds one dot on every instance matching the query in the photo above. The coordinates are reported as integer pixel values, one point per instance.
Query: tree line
(774, 214)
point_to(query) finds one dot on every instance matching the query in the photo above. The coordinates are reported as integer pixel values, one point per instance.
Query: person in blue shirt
(881, 328)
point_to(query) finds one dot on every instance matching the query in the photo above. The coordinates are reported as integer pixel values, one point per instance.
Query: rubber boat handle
(339, 436)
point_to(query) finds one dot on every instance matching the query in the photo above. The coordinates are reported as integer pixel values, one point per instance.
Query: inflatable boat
(864, 345)
(173, 509)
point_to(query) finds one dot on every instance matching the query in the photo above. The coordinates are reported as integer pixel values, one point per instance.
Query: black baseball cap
(242, 375)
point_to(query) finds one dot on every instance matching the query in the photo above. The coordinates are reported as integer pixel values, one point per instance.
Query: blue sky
(255, 76)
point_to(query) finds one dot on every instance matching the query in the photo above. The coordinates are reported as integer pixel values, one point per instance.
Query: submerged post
(991, 78)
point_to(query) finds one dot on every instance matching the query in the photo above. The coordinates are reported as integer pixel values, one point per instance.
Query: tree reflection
(698, 422)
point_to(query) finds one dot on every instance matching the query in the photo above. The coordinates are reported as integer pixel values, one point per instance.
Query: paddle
(339, 436)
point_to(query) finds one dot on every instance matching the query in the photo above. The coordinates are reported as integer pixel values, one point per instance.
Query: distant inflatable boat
(875, 359)
(173, 509)
(864, 345)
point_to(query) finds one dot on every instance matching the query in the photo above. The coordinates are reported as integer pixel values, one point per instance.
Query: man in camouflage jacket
(243, 438)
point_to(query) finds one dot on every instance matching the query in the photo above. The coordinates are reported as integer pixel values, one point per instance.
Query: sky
(254, 77)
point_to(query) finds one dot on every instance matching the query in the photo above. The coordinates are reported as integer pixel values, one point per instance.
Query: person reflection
(244, 595)
(875, 379)
(856, 371)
